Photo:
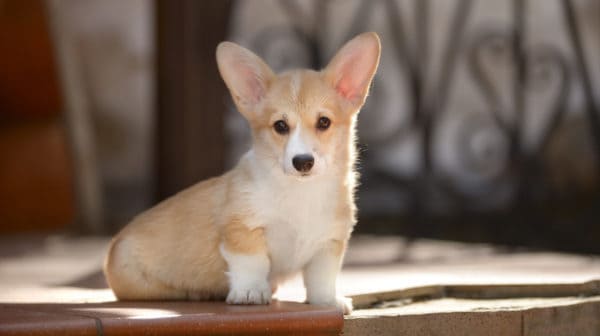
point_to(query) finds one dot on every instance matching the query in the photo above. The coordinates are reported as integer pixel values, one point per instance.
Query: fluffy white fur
(248, 276)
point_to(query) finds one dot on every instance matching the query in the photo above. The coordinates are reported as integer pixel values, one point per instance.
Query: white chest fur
(298, 217)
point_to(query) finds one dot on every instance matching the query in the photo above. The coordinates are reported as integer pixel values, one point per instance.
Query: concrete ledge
(519, 310)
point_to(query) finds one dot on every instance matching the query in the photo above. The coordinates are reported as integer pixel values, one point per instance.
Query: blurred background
(482, 125)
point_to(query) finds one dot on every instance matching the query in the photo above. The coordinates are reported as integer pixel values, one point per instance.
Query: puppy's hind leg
(128, 279)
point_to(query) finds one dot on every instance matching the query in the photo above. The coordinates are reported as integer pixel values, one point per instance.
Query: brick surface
(24, 320)
(168, 318)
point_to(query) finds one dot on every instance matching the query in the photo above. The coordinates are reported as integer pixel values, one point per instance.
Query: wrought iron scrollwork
(512, 77)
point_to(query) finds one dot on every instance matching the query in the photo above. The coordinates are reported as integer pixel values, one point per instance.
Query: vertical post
(581, 65)
(191, 94)
(90, 209)
(520, 79)
(519, 158)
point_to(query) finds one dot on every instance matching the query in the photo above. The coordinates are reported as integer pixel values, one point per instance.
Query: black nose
(303, 162)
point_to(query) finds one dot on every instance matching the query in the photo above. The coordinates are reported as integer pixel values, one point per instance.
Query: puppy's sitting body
(288, 206)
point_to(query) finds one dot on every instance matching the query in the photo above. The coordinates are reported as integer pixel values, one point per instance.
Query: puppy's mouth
(304, 177)
(300, 176)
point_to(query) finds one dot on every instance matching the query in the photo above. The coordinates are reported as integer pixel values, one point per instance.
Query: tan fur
(172, 251)
(162, 242)
(238, 238)
(338, 247)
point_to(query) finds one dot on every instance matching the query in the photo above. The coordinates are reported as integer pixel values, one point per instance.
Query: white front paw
(259, 294)
(342, 303)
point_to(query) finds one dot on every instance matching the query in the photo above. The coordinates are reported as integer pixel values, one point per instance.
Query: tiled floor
(54, 284)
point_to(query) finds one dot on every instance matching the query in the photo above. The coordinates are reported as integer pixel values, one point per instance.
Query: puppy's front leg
(245, 251)
(320, 275)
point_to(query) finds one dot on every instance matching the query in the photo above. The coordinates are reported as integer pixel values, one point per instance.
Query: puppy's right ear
(246, 76)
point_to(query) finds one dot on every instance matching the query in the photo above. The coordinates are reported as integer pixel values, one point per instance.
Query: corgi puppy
(288, 205)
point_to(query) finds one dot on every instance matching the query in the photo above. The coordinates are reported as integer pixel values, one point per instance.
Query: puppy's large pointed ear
(351, 70)
(245, 74)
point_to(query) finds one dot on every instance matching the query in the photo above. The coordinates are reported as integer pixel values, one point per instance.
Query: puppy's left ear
(351, 70)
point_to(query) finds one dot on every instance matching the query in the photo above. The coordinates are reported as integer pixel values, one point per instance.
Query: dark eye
(323, 123)
(281, 127)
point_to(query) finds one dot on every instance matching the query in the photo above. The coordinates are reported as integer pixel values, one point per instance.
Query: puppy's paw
(259, 294)
(342, 303)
